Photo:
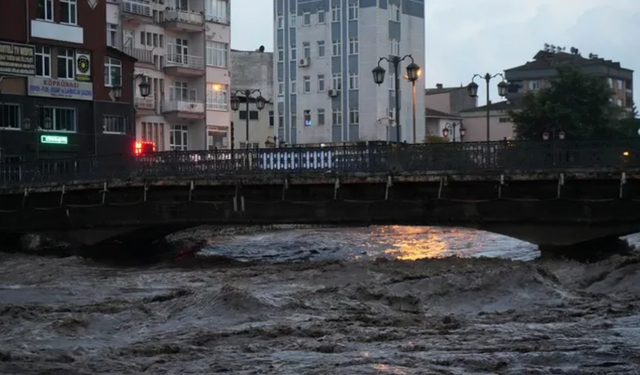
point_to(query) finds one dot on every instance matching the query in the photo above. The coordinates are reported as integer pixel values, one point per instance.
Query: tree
(576, 103)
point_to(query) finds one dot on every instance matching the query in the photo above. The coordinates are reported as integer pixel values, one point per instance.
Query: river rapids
(378, 300)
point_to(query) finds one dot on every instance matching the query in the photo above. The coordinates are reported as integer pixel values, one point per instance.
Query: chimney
(439, 85)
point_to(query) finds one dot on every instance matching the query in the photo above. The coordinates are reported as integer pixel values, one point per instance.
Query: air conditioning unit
(304, 62)
(333, 93)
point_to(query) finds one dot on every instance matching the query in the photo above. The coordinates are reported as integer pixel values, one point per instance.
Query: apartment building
(324, 54)
(182, 47)
(536, 74)
(63, 92)
(253, 70)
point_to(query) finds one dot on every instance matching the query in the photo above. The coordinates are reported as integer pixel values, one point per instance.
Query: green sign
(54, 139)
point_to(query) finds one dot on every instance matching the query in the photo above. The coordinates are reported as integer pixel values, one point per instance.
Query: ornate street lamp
(235, 105)
(472, 88)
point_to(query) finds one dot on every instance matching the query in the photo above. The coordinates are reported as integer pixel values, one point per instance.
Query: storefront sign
(83, 66)
(17, 59)
(54, 139)
(59, 88)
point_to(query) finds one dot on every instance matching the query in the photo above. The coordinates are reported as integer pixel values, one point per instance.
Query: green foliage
(435, 139)
(577, 103)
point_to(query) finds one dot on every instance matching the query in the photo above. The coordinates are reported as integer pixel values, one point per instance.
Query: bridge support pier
(588, 250)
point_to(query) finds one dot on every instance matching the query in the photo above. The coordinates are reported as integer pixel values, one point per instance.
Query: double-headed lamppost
(473, 92)
(413, 72)
(246, 94)
(451, 127)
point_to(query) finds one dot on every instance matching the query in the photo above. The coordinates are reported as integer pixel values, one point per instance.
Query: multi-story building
(324, 54)
(253, 70)
(536, 74)
(63, 92)
(182, 47)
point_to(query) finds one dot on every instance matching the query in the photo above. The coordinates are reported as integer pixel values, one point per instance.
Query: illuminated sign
(17, 59)
(54, 139)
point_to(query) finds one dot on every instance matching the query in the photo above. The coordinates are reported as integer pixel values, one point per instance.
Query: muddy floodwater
(379, 300)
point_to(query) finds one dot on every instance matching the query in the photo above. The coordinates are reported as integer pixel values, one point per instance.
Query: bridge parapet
(470, 157)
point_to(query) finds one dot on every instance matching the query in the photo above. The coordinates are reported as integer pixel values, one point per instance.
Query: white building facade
(182, 47)
(324, 53)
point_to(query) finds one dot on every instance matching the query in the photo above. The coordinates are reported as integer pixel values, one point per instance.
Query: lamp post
(451, 127)
(145, 90)
(413, 103)
(559, 135)
(246, 94)
(413, 72)
(473, 92)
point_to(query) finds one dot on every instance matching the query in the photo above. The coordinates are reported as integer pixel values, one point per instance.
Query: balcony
(183, 20)
(183, 65)
(138, 11)
(183, 110)
(224, 20)
(143, 56)
(145, 106)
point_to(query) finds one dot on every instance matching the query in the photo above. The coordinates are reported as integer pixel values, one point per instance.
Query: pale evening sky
(464, 37)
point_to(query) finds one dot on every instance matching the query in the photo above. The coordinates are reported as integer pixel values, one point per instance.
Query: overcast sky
(464, 37)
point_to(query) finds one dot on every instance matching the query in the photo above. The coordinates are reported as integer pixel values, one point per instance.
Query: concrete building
(253, 70)
(182, 47)
(324, 53)
(536, 74)
(451, 100)
(500, 124)
(436, 122)
(57, 81)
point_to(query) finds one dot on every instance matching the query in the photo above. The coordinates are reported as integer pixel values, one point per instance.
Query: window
(271, 119)
(43, 61)
(114, 124)
(534, 85)
(619, 102)
(280, 21)
(354, 116)
(65, 63)
(306, 50)
(128, 38)
(337, 81)
(62, 119)
(112, 35)
(336, 116)
(280, 120)
(307, 117)
(253, 115)
(620, 85)
(216, 11)
(292, 53)
(217, 54)
(69, 12)
(293, 87)
(217, 96)
(179, 91)
(336, 47)
(280, 54)
(10, 116)
(320, 116)
(335, 13)
(293, 19)
(321, 15)
(353, 46)
(353, 11)
(353, 81)
(392, 81)
(178, 138)
(306, 19)
(321, 51)
(294, 120)
(112, 72)
(320, 82)
(280, 88)
(45, 10)
(394, 47)
(307, 83)
(394, 13)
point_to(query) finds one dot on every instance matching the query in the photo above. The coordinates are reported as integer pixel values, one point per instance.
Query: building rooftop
(440, 89)
(546, 59)
(499, 106)
(437, 114)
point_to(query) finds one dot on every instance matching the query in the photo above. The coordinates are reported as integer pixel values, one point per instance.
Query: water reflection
(365, 243)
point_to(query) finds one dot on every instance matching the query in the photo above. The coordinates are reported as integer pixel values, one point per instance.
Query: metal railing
(141, 54)
(183, 106)
(184, 61)
(185, 16)
(472, 157)
(139, 7)
(144, 103)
